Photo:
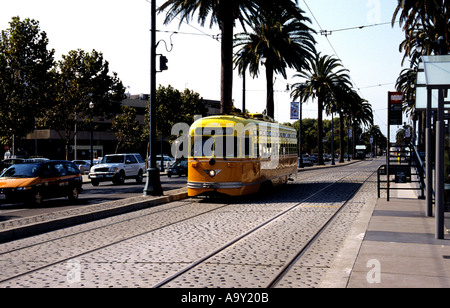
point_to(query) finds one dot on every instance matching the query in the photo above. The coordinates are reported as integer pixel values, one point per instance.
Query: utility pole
(153, 183)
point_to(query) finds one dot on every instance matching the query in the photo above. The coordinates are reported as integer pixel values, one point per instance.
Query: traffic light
(163, 63)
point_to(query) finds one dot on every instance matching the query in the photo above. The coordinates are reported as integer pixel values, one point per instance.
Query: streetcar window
(231, 147)
(210, 146)
(202, 147)
(247, 147)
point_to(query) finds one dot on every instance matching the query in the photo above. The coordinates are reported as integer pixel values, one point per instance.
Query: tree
(224, 13)
(379, 140)
(25, 64)
(309, 135)
(339, 103)
(406, 83)
(324, 73)
(81, 79)
(128, 131)
(361, 115)
(424, 21)
(281, 41)
(173, 106)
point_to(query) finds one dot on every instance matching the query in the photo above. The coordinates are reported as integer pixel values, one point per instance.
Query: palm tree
(361, 115)
(340, 103)
(424, 21)
(406, 83)
(282, 41)
(416, 44)
(324, 73)
(378, 137)
(224, 13)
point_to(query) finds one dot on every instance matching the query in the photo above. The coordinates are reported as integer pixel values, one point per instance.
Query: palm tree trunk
(227, 27)
(270, 105)
(320, 131)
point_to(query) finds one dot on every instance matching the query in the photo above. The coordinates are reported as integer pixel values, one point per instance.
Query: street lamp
(300, 140)
(332, 139)
(153, 183)
(91, 108)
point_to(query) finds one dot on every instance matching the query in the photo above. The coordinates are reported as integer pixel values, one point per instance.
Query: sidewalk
(399, 249)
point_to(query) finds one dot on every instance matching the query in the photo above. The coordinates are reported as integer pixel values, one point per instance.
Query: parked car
(306, 160)
(167, 161)
(33, 182)
(180, 168)
(83, 165)
(117, 168)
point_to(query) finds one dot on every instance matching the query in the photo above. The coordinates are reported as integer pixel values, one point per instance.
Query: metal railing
(401, 160)
(419, 166)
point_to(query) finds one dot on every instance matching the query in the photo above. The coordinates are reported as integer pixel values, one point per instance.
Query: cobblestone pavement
(232, 243)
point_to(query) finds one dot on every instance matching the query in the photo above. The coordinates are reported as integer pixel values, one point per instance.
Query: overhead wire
(326, 34)
(202, 33)
(358, 27)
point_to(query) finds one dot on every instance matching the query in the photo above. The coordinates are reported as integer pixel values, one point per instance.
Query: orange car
(32, 182)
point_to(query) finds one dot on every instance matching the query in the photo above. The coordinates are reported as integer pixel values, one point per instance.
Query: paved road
(288, 238)
(91, 195)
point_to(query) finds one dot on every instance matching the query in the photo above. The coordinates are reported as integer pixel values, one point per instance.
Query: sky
(121, 31)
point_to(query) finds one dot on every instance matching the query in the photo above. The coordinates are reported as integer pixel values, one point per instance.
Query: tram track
(313, 239)
(186, 204)
(288, 266)
(112, 243)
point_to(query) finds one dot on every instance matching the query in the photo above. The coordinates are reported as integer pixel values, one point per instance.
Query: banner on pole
(295, 110)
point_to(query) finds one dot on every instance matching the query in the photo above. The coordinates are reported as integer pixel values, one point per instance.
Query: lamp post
(300, 154)
(91, 156)
(349, 135)
(332, 139)
(153, 182)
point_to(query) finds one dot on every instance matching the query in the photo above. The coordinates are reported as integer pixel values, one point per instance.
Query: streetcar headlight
(212, 173)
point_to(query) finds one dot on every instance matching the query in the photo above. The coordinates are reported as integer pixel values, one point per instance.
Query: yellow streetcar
(239, 155)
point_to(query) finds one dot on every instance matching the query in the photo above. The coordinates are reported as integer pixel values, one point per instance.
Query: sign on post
(395, 101)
